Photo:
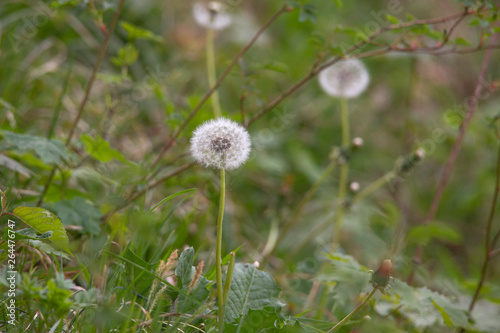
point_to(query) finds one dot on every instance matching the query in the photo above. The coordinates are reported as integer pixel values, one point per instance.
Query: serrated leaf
(100, 149)
(422, 234)
(43, 221)
(50, 151)
(185, 269)
(251, 289)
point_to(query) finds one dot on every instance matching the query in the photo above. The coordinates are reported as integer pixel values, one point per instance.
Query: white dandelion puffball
(212, 15)
(347, 78)
(220, 143)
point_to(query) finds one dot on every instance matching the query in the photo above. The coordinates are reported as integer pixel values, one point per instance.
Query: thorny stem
(488, 246)
(100, 57)
(353, 312)
(211, 71)
(344, 176)
(218, 254)
(443, 181)
(221, 78)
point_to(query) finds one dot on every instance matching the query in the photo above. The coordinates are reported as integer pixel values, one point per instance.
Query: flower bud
(382, 276)
(354, 186)
(357, 142)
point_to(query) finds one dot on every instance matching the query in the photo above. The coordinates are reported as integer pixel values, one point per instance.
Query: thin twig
(443, 181)
(348, 51)
(488, 244)
(100, 57)
(136, 195)
(102, 52)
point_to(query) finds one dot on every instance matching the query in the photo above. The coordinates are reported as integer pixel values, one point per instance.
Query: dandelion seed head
(347, 78)
(212, 15)
(220, 143)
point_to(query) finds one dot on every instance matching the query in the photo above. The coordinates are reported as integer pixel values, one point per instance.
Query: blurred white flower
(220, 143)
(211, 15)
(347, 78)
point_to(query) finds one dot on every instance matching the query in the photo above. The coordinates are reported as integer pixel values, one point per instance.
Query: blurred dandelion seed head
(220, 143)
(212, 15)
(347, 78)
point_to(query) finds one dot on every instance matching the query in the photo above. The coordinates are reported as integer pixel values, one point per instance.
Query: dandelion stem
(353, 312)
(344, 175)
(211, 71)
(218, 255)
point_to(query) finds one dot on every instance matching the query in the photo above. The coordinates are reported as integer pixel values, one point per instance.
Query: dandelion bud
(212, 15)
(256, 264)
(357, 142)
(347, 78)
(382, 276)
(220, 143)
(354, 186)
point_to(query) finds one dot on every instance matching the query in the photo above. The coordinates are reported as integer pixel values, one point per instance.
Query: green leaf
(338, 3)
(43, 221)
(422, 234)
(171, 197)
(185, 267)
(461, 41)
(135, 32)
(251, 289)
(392, 19)
(127, 55)
(79, 211)
(28, 234)
(48, 150)
(101, 150)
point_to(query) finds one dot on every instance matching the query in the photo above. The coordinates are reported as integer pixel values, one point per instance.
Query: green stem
(218, 255)
(389, 176)
(353, 312)
(344, 175)
(211, 71)
(229, 278)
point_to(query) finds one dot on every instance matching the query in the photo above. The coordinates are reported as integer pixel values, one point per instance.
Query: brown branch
(205, 98)
(100, 57)
(443, 181)
(316, 69)
(488, 244)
